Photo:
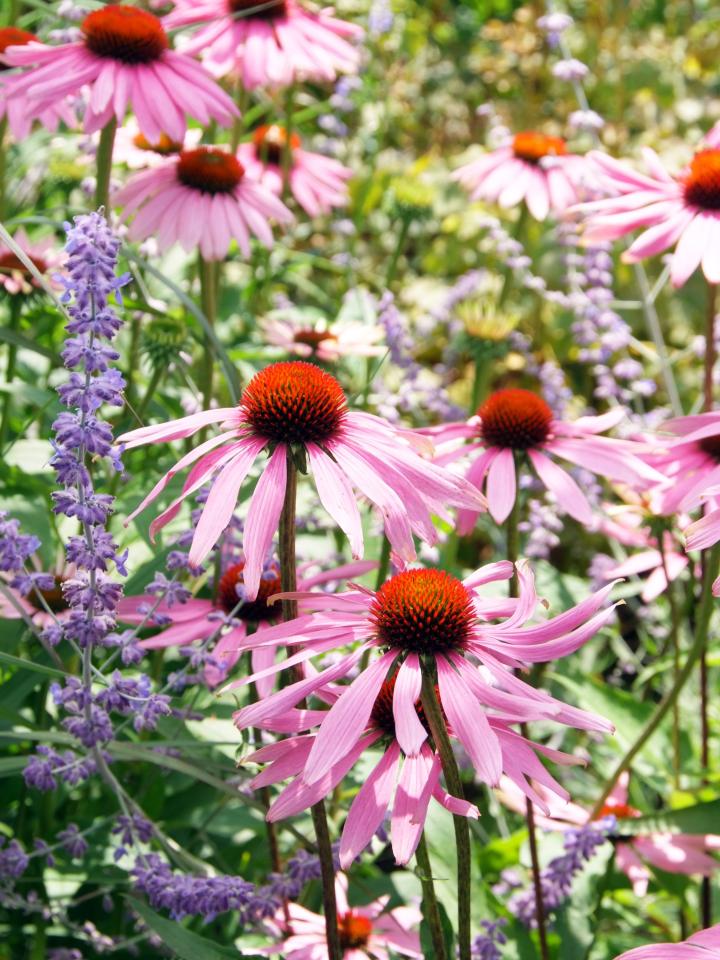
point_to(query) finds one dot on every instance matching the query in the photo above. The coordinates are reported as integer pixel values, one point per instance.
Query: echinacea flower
(681, 211)
(197, 618)
(125, 60)
(200, 198)
(400, 784)
(318, 183)
(39, 598)
(534, 168)
(296, 409)
(310, 335)
(21, 112)
(370, 931)
(267, 43)
(420, 620)
(515, 423)
(15, 278)
(133, 149)
(704, 945)
(673, 852)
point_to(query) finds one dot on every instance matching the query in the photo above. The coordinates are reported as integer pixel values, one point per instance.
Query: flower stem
(431, 911)
(103, 162)
(665, 705)
(287, 151)
(675, 642)
(4, 147)
(436, 721)
(288, 580)
(157, 375)
(399, 247)
(208, 302)
(15, 310)
(384, 564)
(513, 551)
(652, 322)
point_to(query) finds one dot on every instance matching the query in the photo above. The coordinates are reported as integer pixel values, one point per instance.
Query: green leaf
(30, 665)
(7, 335)
(184, 943)
(576, 923)
(448, 935)
(700, 818)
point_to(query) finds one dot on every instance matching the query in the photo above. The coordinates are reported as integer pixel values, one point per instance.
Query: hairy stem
(288, 579)
(436, 721)
(15, 310)
(666, 704)
(103, 163)
(431, 910)
(208, 302)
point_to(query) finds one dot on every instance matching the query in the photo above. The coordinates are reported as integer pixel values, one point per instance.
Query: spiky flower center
(382, 715)
(124, 33)
(623, 811)
(312, 338)
(294, 402)
(229, 593)
(164, 146)
(711, 446)
(422, 611)
(702, 182)
(531, 146)
(354, 930)
(515, 419)
(258, 9)
(54, 598)
(11, 263)
(270, 142)
(13, 37)
(209, 170)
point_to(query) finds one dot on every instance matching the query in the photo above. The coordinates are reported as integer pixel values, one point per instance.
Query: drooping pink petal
(369, 807)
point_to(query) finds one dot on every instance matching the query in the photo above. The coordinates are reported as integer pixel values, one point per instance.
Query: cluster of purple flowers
(487, 946)
(557, 878)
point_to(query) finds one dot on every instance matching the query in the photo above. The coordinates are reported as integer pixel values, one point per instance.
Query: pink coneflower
(200, 198)
(704, 945)
(518, 422)
(533, 167)
(447, 622)
(125, 61)
(44, 604)
(295, 406)
(683, 210)
(133, 148)
(371, 931)
(672, 852)
(15, 278)
(318, 183)
(401, 784)
(21, 113)
(268, 43)
(197, 619)
(313, 337)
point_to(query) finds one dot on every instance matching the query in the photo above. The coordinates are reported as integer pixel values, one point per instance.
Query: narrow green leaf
(184, 943)
(25, 343)
(30, 665)
(700, 818)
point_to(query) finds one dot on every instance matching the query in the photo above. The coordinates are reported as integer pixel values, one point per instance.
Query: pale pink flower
(268, 43)
(125, 61)
(400, 784)
(475, 642)
(534, 168)
(133, 149)
(197, 619)
(21, 112)
(704, 945)
(200, 198)
(517, 422)
(15, 278)
(672, 852)
(681, 211)
(296, 405)
(318, 183)
(370, 931)
(311, 336)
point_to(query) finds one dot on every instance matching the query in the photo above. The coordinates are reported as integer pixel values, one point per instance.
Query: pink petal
(369, 807)
(567, 493)
(501, 487)
(263, 517)
(418, 777)
(469, 723)
(410, 732)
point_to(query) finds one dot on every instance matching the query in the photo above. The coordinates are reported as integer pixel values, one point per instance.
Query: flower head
(137, 152)
(15, 278)
(295, 408)
(271, 43)
(533, 167)
(704, 945)
(200, 198)
(124, 57)
(681, 211)
(515, 423)
(318, 183)
(307, 335)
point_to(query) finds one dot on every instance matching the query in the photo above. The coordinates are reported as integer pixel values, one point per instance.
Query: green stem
(208, 303)
(239, 122)
(431, 911)
(675, 642)
(288, 580)
(399, 247)
(666, 704)
(157, 375)
(384, 564)
(15, 311)
(103, 161)
(436, 722)
(4, 147)
(287, 151)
